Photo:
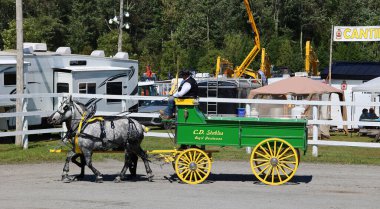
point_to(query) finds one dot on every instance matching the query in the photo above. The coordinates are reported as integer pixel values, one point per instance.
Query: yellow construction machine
(242, 69)
(311, 60)
(226, 67)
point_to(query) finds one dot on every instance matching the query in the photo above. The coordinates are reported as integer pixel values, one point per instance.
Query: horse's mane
(81, 105)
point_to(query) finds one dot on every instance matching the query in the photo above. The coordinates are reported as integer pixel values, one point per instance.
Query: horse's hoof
(99, 179)
(67, 180)
(78, 178)
(117, 179)
(150, 177)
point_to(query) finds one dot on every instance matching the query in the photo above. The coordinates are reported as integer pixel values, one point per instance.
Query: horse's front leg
(65, 173)
(88, 157)
(144, 157)
(80, 164)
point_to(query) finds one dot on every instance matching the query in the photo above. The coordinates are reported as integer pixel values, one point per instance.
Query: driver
(188, 88)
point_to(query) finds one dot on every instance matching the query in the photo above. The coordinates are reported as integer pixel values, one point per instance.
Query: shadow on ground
(298, 179)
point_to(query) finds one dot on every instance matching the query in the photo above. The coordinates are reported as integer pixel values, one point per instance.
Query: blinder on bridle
(65, 108)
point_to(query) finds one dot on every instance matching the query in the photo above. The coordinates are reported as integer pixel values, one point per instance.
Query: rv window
(9, 78)
(114, 88)
(62, 88)
(87, 88)
(78, 62)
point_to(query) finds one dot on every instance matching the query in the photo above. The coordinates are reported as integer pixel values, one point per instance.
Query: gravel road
(231, 185)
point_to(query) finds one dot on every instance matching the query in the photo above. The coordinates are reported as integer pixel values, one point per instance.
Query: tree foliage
(176, 34)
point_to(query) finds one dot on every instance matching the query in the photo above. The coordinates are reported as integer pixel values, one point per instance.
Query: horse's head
(63, 113)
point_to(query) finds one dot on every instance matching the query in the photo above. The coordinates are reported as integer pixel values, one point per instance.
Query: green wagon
(275, 156)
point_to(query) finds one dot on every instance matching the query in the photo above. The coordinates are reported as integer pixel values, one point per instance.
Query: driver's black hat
(183, 73)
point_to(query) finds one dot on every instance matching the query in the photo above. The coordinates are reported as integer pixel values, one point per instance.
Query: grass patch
(38, 152)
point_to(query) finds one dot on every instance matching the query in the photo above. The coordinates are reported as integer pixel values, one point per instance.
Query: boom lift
(225, 67)
(265, 63)
(311, 60)
(242, 69)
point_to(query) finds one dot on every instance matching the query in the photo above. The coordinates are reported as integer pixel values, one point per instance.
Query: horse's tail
(146, 129)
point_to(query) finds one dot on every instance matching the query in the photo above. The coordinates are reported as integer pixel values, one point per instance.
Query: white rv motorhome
(63, 72)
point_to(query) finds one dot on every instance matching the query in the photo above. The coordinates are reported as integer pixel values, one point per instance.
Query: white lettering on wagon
(210, 135)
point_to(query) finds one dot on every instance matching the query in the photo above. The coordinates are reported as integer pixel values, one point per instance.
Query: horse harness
(88, 119)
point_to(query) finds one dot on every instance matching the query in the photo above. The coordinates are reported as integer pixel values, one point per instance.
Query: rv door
(63, 83)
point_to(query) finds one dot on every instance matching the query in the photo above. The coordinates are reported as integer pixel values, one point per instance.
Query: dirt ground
(231, 185)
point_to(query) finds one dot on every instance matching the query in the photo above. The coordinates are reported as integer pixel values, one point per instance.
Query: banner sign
(356, 33)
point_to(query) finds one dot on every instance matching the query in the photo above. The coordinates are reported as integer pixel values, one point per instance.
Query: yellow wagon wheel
(193, 166)
(274, 161)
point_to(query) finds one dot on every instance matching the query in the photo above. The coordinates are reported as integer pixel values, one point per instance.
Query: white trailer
(63, 72)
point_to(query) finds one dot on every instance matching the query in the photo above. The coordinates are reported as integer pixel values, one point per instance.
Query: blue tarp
(353, 70)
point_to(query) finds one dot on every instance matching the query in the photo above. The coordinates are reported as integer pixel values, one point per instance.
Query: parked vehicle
(63, 72)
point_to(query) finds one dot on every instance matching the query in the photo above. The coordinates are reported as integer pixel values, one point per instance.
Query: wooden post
(25, 138)
(331, 45)
(121, 23)
(19, 70)
(315, 131)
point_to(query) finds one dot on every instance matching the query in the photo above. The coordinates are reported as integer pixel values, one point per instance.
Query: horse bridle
(72, 130)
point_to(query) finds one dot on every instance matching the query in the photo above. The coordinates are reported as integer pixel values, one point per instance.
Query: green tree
(108, 42)
(43, 29)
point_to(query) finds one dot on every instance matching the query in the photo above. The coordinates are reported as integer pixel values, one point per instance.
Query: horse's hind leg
(88, 158)
(144, 157)
(80, 164)
(133, 164)
(65, 173)
(127, 162)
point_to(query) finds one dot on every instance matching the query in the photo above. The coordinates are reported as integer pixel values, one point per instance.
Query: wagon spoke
(265, 151)
(187, 158)
(195, 154)
(265, 156)
(286, 157)
(272, 174)
(267, 174)
(195, 176)
(260, 165)
(274, 148)
(291, 162)
(283, 171)
(188, 173)
(199, 175)
(184, 164)
(182, 168)
(286, 150)
(279, 150)
(199, 170)
(204, 160)
(203, 167)
(191, 178)
(270, 150)
(278, 174)
(196, 159)
(260, 160)
(263, 170)
(285, 166)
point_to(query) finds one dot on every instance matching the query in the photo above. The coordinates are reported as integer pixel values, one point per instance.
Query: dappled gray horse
(98, 133)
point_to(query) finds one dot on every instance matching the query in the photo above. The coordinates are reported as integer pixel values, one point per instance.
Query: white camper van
(63, 72)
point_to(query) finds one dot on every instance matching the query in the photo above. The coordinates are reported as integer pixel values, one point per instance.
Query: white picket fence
(315, 122)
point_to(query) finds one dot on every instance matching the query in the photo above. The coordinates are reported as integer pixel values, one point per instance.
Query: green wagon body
(193, 128)
(276, 143)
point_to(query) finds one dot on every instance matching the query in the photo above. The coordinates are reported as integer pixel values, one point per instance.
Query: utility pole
(19, 70)
(121, 24)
